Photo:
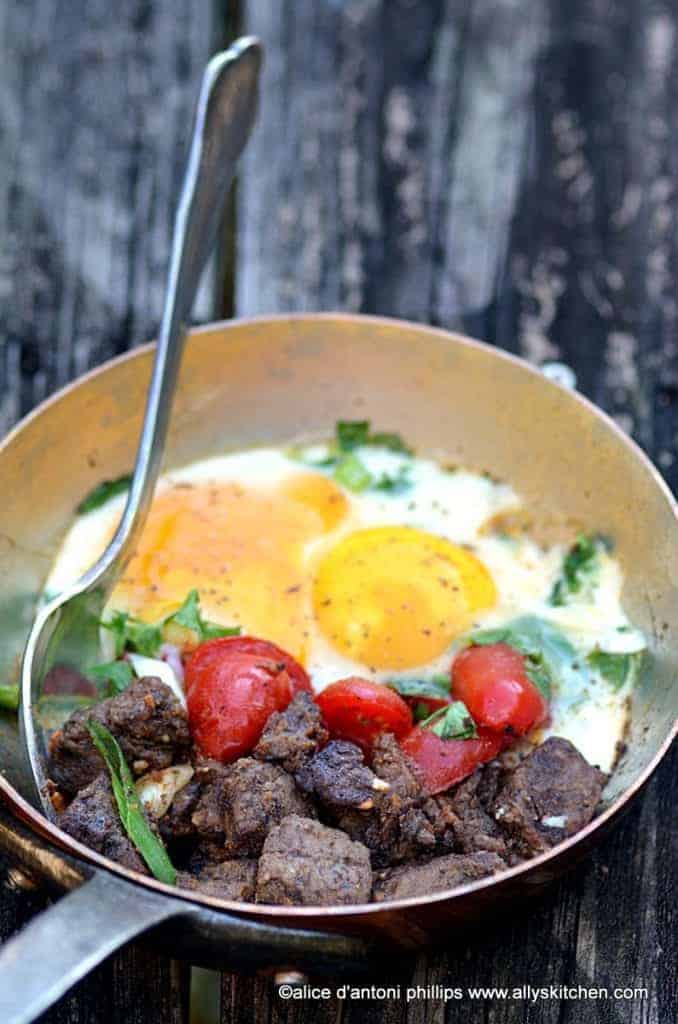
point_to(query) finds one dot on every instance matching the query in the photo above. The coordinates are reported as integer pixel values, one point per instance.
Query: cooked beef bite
(93, 819)
(552, 794)
(293, 736)
(148, 722)
(397, 827)
(241, 803)
(462, 818)
(304, 863)
(339, 777)
(229, 880)
(434, 876)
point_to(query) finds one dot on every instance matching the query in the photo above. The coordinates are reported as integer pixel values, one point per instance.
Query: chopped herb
(352, 434)
(190, 617)
(132, 817)
(394, 483)
(453, 722)
(103, 492)
(550, 658)
(9, 697)
(132, 633)
(579, 568)
(353, 473)
(438, 687)
(116, 674)
(420, 712)
(616, 668)
(146, 638)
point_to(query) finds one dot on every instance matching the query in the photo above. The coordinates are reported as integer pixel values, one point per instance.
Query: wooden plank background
(503, 166)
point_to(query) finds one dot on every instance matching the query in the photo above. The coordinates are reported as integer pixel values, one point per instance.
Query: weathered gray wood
(96, 102)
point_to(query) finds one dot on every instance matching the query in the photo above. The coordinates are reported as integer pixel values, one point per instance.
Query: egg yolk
(243, 548)
(395, 597)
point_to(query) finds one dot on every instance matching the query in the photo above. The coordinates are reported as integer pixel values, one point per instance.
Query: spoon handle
(226, 110)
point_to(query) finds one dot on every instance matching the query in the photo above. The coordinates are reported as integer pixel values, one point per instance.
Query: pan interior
(272, 381)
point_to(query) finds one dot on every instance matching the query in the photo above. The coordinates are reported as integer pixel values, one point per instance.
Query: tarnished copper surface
(272, 380)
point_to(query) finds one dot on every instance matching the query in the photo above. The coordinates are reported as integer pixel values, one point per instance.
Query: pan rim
(40, 825)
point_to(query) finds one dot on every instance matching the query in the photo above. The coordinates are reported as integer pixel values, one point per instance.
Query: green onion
(132, 817)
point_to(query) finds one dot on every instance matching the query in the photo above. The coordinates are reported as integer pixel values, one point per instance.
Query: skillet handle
(61, 945)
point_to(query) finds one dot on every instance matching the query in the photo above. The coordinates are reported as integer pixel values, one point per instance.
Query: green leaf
(394, 483)
(116, 674)
(393, 442)
(352, 473)
(144, 637)
(103, 492)
(147, 637)
(438, 687)
(352, 434)
(579, 568)
(132, 817)
(616, 668)
(190, 617)
(133, 634)
(453, 722)
(9, 697)
(550, 658)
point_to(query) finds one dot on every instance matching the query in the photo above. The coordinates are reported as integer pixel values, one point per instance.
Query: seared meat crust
(148, 722)
(552, 794)
(435, 875)
(304, 863)
(293, 736)
(93, 819)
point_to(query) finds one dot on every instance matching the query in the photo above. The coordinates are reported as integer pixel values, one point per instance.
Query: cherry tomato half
(359, 710)
(443, 763)
(494, 686)
(233, 684)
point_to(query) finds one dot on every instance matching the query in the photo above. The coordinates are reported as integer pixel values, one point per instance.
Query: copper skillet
(270, 380)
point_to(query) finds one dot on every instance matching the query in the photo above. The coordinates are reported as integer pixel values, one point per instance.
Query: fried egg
(381, 579)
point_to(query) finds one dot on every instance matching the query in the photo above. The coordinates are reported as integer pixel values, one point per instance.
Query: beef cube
(304, 863)
(397, 828)
(339, 777)
(293, 736)
(93, 819)
(229, 880)
(241, 804)
(436, 875)
(461, 817)
(148, 722)
(552, 794)
(392, 764)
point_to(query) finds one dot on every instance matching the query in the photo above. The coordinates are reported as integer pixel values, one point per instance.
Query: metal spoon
(66, 630)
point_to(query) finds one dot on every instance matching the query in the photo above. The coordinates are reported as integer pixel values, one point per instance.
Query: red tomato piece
(233, 684)
(359, 710)
(494, 686)
(443, 763)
